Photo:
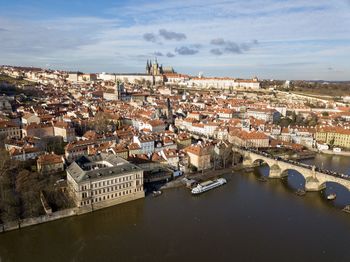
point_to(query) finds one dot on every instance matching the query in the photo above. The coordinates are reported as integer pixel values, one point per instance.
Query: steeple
(148, 67)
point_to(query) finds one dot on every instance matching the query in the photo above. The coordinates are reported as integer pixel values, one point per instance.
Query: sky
(270, 39)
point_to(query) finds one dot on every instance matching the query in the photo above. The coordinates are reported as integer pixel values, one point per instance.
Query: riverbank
(208, 174)
(22, 223)
(61, 214)
(330, 152)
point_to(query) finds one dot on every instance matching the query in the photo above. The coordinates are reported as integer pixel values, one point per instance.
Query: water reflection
(245, 220)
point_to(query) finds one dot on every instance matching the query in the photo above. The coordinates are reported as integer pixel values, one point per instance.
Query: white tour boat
(207, 185)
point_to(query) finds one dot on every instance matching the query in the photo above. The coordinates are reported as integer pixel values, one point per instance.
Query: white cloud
(291, 31)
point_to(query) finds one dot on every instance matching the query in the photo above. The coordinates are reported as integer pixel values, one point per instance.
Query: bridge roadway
(315, 178)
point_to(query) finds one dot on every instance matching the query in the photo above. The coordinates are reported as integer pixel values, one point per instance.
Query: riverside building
(104, 180)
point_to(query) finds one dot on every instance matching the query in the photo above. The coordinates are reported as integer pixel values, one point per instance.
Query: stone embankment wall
(37, 220)
(13, 225)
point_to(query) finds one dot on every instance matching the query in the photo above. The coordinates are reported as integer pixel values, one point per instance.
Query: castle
(156, 69)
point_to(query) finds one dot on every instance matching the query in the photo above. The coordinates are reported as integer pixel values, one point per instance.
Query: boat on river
(331, 196)
(262, 179)
(207, 185)
(156, 193)
(347, 209)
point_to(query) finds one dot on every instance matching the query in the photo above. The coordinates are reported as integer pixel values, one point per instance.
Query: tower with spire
(148, 67)
(153, 68)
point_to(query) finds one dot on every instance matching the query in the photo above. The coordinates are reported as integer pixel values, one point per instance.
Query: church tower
(148, 67)
(169, 112)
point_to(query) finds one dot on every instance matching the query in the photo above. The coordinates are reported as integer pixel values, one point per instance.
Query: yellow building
(336, 136)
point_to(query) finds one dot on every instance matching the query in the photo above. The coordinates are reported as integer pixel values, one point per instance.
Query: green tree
(9, 201)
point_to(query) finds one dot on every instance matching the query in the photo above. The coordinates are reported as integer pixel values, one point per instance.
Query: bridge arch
(293, 178)
(340, 190)
(314, 179)
(262, 167)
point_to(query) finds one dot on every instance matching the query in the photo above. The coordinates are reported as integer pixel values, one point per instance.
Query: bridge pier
(312, 184)
(247, 161)
(275, 172)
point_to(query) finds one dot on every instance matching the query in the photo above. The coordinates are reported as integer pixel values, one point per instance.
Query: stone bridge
(314, 181)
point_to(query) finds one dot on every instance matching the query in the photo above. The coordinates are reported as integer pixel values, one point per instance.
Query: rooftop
(100, 166)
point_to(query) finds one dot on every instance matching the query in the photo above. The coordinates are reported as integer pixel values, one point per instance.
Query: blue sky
(280, 39)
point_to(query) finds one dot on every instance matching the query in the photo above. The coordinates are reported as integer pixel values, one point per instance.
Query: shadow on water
(294, 180)
(263, 170)
(244, 220)
(342, 195)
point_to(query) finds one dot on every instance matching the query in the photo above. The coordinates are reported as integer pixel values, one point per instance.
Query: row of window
(106, 190)
(110, 189)
(109, 182)
(108, 197)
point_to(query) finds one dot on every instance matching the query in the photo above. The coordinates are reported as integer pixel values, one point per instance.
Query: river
(245, 220)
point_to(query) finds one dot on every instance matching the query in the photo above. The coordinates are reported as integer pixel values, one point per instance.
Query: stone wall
(37, 220)
(68, 213)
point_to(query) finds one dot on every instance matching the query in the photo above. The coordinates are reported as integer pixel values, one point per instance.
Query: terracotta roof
(48, 159)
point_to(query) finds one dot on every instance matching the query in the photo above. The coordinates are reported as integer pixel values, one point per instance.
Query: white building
(131, 78)
(146, 143)
(104, 180)
(220, 83)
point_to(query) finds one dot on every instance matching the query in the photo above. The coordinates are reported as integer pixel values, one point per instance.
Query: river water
(245, 220)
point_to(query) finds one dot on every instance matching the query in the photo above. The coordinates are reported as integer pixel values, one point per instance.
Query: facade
(267, 115)
(131, 78)
(9, 129)
(146, 143)
(64, 130)
(116, 93)
(80, 77)
(28, 118)
(249, 139)
(25, 153)
(183, 140)
(50, 163)
(220, 83)
(76, 149)
(5, 104)
(104, 180)
(199, 156)
(335, 136)
(38, 130)
(154, 69)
